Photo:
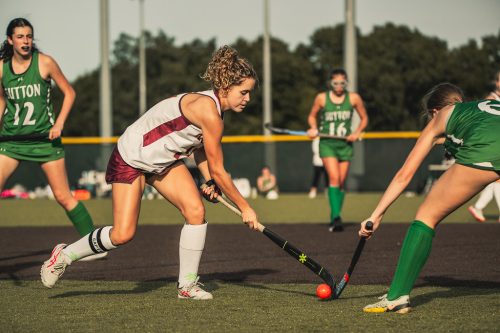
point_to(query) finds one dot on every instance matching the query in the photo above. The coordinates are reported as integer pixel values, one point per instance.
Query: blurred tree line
(396, 66)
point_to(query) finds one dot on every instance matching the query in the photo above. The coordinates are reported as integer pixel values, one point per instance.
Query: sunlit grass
(79, 306)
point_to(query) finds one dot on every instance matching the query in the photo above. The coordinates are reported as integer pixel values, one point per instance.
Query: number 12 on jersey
(30, 108)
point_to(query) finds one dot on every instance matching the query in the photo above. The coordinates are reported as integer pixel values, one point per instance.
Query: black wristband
(210, 183)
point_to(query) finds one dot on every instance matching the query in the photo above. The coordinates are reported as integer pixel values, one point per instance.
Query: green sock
(334, 198)
(414, 253)
(341, 201)
(81, 219)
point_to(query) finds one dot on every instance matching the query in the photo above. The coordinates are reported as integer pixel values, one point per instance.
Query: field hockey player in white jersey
(151, 151)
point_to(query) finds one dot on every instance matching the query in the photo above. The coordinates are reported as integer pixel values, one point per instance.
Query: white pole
(269, 147)
(350, 52)
(357, 169)
(106, 128)
(267, 71)
(142, 60)
(350, 48)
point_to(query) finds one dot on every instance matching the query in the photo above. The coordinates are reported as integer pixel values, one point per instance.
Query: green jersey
(336, 119)
(473, 134)
(29, 109)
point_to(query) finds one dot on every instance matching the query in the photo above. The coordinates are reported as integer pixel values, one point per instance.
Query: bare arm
(212, 135)
(50, 68)
(489, 96)
(260, 183)
(424, 144)
(440, 141)
(200, 159)
(359, 106)
(3, 104)
(272, 182)
(204, 114)
(318, 104)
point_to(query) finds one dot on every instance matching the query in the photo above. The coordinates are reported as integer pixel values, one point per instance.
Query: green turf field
(78, 306)
(289, 208)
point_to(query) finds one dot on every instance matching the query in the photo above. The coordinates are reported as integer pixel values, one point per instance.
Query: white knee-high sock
(496, 192)
(485, 197)
(97, 241)
(191, 247)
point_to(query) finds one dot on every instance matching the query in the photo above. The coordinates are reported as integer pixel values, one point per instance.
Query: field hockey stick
(289, 248)
(278, 130)
(347, 275)
(301, 133)
(24, 137)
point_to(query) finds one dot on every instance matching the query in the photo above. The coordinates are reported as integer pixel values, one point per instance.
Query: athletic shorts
(120, 172)
(474, 156)
(36, 151)
(339, 149)
(492, 166)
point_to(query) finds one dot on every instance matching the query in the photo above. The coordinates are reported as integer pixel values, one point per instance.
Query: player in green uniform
(25, 79)
(336, 107)
(472, 132)
(493, 190)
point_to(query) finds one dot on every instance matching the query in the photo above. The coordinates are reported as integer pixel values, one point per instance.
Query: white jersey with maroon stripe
(161, 136)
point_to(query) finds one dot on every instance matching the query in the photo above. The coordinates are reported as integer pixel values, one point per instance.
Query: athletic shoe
(54, 268)
(312, 194)
(336, 225)
(477, 213)
(193, 291)
(272, 195)
(400, 305)
(96, 256)
(336, 228)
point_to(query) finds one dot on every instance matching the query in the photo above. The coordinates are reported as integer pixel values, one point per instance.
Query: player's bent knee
(334, 181)
(194, 214)
(430, 221)
(121, 237)
(63, 199)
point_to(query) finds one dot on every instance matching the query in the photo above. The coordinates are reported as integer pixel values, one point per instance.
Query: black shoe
(338, 228)
(336, 225)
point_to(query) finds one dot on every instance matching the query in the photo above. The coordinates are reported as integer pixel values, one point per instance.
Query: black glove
(211, 183)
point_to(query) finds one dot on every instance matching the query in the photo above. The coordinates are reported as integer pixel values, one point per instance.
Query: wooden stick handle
(228, 205)
(235, 210)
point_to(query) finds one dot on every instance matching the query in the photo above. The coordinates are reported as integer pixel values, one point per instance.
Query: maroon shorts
(120, 172)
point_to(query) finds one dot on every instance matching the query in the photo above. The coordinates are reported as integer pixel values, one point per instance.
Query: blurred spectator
(243, 185)
(267, 185)
(16, 192)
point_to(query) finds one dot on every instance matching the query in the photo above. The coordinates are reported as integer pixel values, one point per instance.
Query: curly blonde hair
(227, 68)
